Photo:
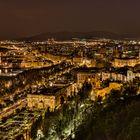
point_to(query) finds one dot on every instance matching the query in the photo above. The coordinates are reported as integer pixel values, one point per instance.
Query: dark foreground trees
(118, 118)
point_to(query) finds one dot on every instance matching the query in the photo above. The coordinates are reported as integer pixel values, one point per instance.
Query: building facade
(125, 62)
(45, 101)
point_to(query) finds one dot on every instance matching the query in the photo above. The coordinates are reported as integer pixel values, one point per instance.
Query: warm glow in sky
(19, 18)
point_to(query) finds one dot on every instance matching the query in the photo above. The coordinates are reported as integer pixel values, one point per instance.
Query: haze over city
(31, 17)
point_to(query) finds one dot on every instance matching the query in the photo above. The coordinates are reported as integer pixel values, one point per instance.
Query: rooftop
(89, 70)
(49, 91)
(127, 58)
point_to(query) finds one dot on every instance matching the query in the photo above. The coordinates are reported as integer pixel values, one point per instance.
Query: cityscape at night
(69, 74)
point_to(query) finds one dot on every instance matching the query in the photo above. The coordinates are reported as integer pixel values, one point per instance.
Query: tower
(80, 53)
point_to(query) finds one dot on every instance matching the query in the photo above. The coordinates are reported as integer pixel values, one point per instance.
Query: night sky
(21, 18)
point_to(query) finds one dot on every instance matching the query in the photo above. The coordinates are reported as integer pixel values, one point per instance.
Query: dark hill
(70, 35)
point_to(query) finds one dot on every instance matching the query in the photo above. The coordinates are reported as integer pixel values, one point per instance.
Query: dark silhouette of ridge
(81, 35)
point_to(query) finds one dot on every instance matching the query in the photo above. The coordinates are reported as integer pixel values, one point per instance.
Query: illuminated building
(51, 97)
(103, 92)
(130, 75)
(125, 62)
(92, 78)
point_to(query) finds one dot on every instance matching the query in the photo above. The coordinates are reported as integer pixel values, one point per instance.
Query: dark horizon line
(98, 34)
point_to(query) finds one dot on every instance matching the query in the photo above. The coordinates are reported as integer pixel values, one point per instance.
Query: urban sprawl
(48, 88)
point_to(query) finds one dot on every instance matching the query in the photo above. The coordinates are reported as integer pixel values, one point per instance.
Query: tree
(132, 131)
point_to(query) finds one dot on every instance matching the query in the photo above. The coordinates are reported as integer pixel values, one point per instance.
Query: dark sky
(19, 18)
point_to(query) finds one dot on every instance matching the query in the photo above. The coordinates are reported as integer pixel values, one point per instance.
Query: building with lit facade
(92, 78)
(130, 75)
(105, 91)
(122, 62)
(99, 76)
(51, 97)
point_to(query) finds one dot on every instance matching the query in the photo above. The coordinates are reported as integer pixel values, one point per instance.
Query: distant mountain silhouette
(82, 35)
(86, 35)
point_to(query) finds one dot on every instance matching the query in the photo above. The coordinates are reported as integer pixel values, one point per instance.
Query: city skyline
(69, 70)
